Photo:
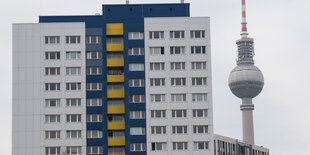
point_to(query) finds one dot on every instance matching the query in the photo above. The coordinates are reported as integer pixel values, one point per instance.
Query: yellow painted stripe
(115, 62)
(115, 78)
(116, 109)
(116, 93)
(116, 141)
(116, 125)
(115, 47)
(115, 29)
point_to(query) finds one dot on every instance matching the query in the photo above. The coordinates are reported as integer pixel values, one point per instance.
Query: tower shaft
(247, 108)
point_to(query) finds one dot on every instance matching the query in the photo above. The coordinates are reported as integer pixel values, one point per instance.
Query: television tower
(246, 81)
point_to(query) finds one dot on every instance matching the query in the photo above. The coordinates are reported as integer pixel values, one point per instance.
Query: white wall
(166, 25)
(29, 91)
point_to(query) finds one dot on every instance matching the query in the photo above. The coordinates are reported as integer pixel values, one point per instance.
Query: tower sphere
(246, 81)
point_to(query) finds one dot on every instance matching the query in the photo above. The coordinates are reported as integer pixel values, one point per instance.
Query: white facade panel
(186, 24)
(29, 80)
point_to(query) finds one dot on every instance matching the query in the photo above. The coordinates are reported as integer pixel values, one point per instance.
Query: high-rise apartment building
(135, 80)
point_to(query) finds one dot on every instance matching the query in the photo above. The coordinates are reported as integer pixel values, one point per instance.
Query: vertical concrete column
(247, 120)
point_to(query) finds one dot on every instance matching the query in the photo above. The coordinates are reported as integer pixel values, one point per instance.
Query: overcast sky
(281, 30)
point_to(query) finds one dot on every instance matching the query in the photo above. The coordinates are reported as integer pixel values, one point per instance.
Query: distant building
(229, 146)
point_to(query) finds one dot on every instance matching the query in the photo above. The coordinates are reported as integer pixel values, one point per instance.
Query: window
(52, 134)
(52, 86)
(115, 55)
(177, 66)
(94, 150)
(137, 147)
(201, 145)
(115, 102)
(136, 51)
(73, 70)
(178, 97)
(72, 118)
(52, 39)
(116, 150)
(157, 66)
(156, 34)
(94, 118)
(94, 86)
(93, 39)
(157, 50)
(115, 134)
(199, 65)
(73, 55)
(73, 39)
(52, 71)
(199, 97)
(94, 55)
(115, 71)
(177, 50)
(137, 114)
(135, 35)
(73, 86)
(159, 146)
(179, 145)
(73, 150)
(198, 34)
(52, 118)
(179, 129)
(52, 102)
(178, 81)
(200, 128)
(116, 118)
(158, 113)
(94, 70)
(137, 131)
(72, 134)
(198, 49)
(114, 40)
(157, 82)
(52, 150)
(52, 55)
(176, 34)
(136, 99)
(73, 102)
(136, 82)
(178, 113)
(158, 130)
(94, 102)
(136, 67)
(158, 97)
(200, 113)
(94, 134)
(115, 86)
(199, 81)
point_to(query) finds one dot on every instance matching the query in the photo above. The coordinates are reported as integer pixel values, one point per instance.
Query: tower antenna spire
(244, 30)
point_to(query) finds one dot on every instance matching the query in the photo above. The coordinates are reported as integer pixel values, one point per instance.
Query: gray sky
(280, 29)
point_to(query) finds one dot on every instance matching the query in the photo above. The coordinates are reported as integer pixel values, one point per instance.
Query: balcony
(115, 29)
(116, 125)
(115, 78)
(116, 93)
(112, 47)
(116, 109)
(117, 141)
(115, 62)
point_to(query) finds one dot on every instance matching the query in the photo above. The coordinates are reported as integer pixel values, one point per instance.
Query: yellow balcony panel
(116, 154)
(116, 141)
(115, 78)
(116, 125)
(115, 62)
(115, 29)
(112, 47)
(116, 93)
(116, 109)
